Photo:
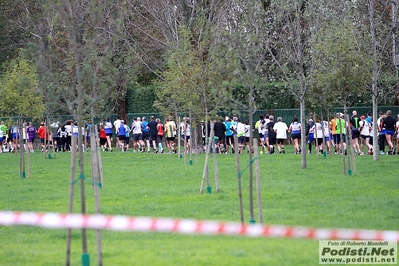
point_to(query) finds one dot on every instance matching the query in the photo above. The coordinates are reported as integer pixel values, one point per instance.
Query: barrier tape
(185, 226)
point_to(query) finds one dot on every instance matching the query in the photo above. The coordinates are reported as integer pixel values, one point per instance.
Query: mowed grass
(161, 185)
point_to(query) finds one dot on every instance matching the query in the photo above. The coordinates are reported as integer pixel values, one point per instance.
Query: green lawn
(161, 185)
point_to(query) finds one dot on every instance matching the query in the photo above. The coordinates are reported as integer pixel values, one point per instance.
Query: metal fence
(286, 114)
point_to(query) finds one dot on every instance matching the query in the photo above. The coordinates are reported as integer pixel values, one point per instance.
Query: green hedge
(140, 99)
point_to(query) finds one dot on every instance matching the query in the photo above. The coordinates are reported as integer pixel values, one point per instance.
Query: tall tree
(293, 50)
(53, 51)
(194, 77)
(20, 92)
(74, 57)
(382, 21)
(249, 35)
(341, 67)
(341, 64)
(13, 33)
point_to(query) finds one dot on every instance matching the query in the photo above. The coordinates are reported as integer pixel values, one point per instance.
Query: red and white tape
(185, 226)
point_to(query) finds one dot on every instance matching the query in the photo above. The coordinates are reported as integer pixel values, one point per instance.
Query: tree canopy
(200, 55)
(20, 92)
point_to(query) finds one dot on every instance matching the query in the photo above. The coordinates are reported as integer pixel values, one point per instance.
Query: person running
(365, 129)
(4, 129)
(341, 125)
(160, 133)
(122, 134)
(247, 134)
(295, 130)
(333, 132)
(229, 138)
(240, 135)
(9, 140)
(355, 132)
(266, 133)
(138, 143)
(2, 133)
(146, 132)
(389, 124)
(54, 135)
(260, 126)
(127, 136)
(68, 129)
(103, 137)
(281, 133)
(336, 137)
(310, 134)
(117, 125)
(75, 133)
(319, 134)
(327, 135)
(187, 135)
(397, 134)
(381, 132)
(153, 132)
(43, 135)
(63, 138)
(170, 131)
(271, 134)
(108, 133)
(16, 134)
(219, 130)
(31, 131)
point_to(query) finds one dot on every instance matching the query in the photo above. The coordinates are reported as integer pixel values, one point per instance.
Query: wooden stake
(258, 187)
(342, 145)
(45, 139)
(205, 173)
(184, 140)
(215, 168)
(191, 139)
(100, 163)
(251, 200)
(239, 179)
(178, 137)
(71, 196)
(85, 254)
(27, 149)
(84, 143)
(315, 135)
(18, 135)
(95, 174)
(332, 147)
(21, 150)
(322, 130)
(52, 146)
(195, 144)
(351, 152)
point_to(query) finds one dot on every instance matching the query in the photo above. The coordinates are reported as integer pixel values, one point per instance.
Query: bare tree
(381, 28)
(292, 55)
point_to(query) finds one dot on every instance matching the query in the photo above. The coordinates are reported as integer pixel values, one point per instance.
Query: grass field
(161, 185)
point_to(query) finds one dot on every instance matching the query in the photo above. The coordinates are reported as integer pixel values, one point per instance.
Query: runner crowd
(154, 136)
(331, 136)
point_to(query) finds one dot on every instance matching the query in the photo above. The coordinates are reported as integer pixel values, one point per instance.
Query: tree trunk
(303, 136)
(374, 80)
(121, 99)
